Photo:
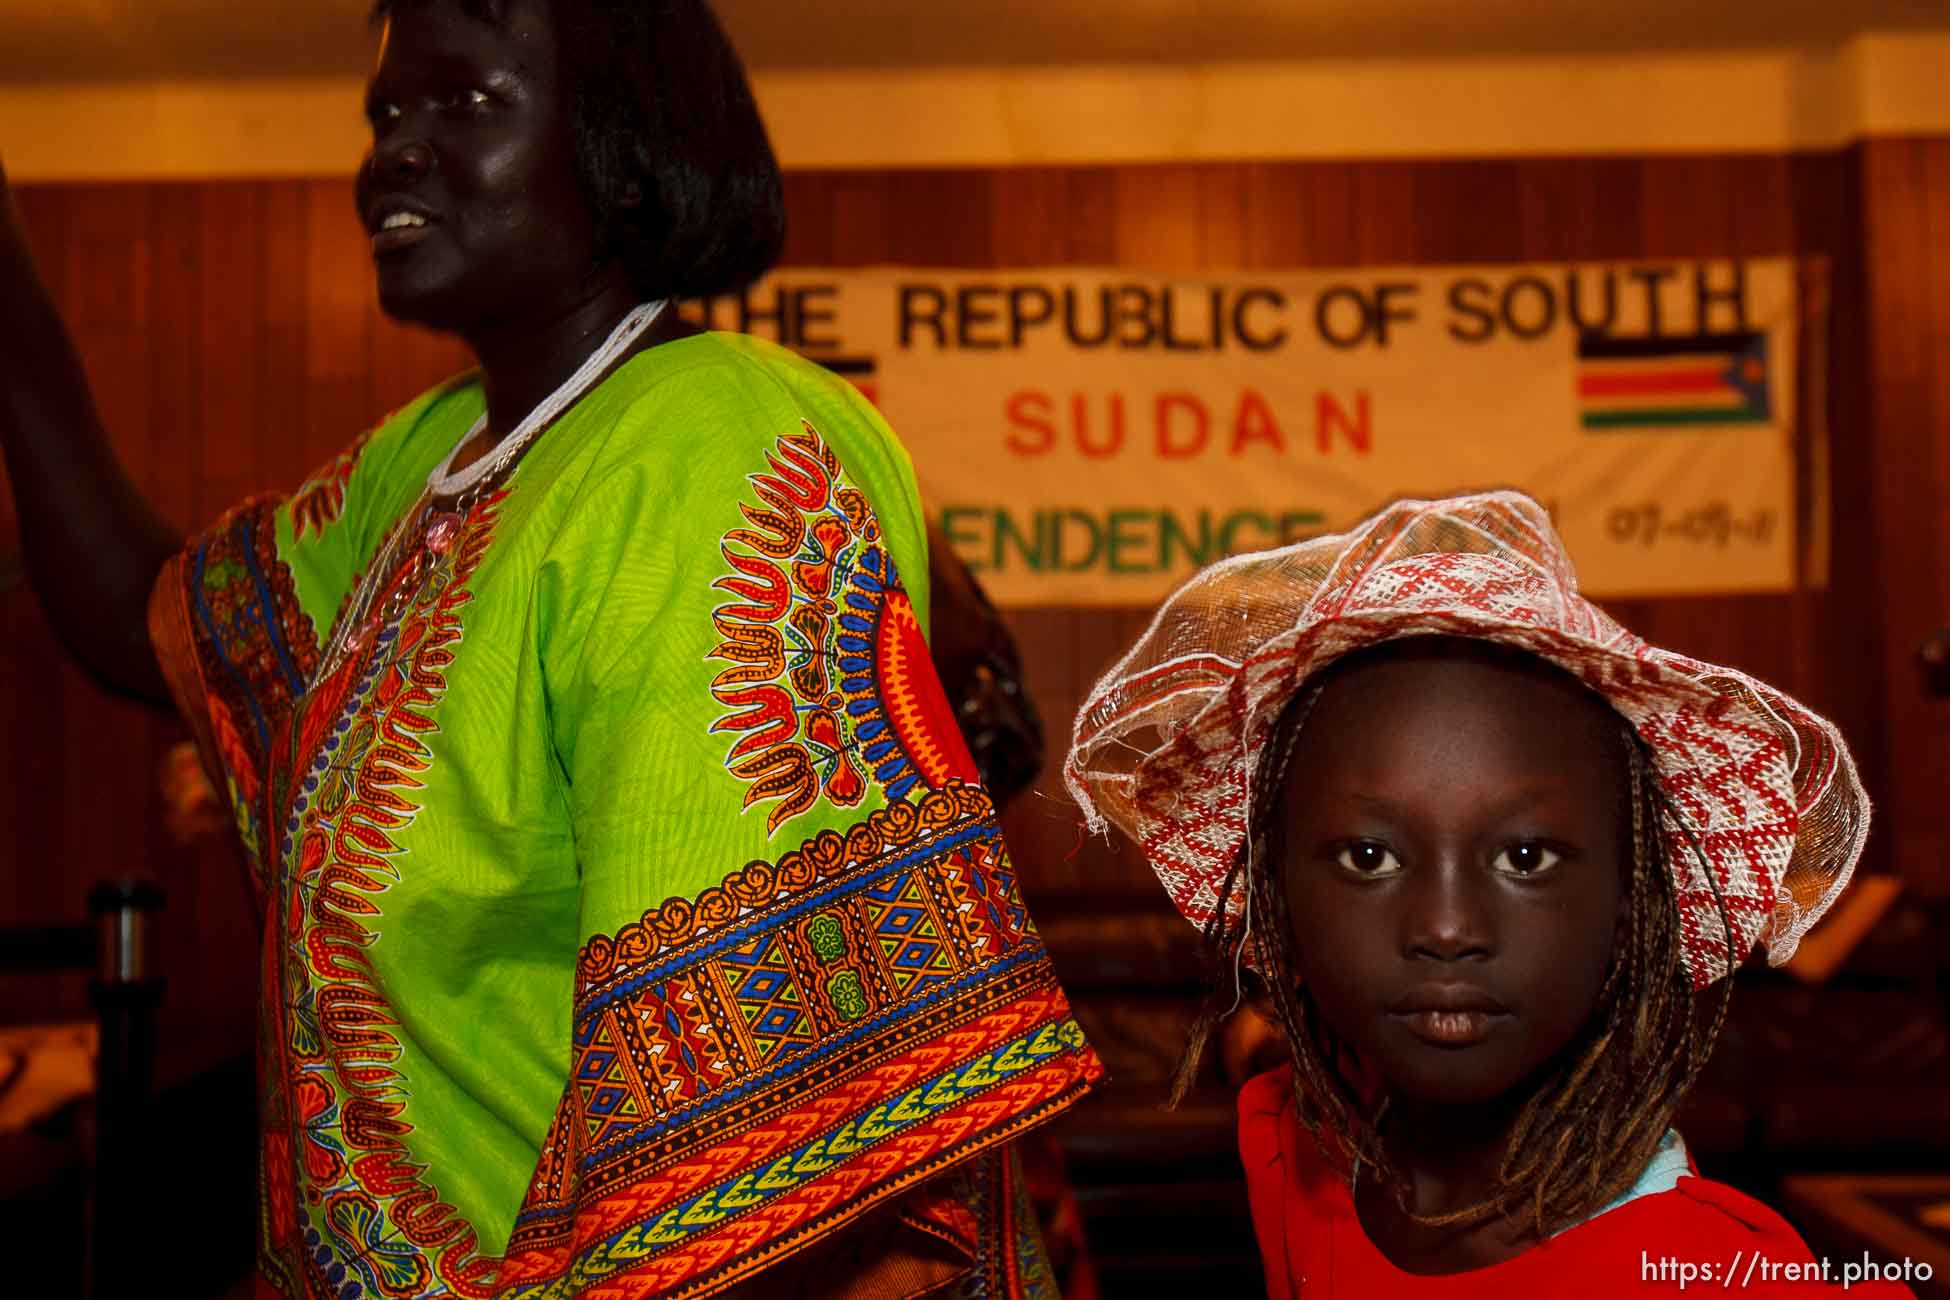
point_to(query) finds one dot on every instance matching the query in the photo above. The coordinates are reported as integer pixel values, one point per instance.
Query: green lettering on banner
(1172, 529)
(1030, 550)
(968, 546)
(1296, 524)
(1228, 531)
(1122, 541)
(1128, 541)
(1089, 558)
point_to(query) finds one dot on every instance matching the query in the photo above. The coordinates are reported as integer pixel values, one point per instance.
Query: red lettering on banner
(1080, 421)
(1201, 425)
(1029, 414)
(1329, 413)
(1183, 424)
(1255, 423)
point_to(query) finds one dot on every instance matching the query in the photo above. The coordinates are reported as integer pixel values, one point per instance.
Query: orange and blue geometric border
(745, 1087)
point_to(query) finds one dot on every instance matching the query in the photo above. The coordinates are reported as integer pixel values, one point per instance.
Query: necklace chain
(442, 480)
(429, 531)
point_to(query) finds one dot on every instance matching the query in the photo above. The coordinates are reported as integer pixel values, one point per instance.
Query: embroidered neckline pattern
(321, 500)
(347, 1211)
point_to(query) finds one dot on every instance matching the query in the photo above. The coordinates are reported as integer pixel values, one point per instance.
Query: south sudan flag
(1648, 383)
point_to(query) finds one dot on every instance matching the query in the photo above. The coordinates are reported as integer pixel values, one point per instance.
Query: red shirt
(1698, 1237)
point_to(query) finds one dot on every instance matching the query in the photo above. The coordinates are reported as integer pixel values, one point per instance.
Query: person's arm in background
(980, 667)
(92, 544)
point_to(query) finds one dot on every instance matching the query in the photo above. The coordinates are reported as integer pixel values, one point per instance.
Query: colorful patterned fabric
(633, 914)
(1765, 811)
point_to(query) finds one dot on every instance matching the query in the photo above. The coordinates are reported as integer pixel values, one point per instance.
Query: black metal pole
(126, 991)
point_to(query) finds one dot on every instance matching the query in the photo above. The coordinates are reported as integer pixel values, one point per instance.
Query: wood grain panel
(1903, 488)
(230, 330)
(279, 454)
(1031, 217)
(111, 248)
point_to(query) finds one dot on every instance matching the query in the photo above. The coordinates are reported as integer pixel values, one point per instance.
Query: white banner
(1092, 437)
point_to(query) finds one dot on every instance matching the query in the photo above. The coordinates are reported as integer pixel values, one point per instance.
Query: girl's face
(469, 194)
(1456, 835)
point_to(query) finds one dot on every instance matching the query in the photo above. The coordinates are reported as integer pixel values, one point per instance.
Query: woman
(633, 916)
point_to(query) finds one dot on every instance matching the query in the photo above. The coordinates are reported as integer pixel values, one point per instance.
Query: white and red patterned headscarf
(1168, 743)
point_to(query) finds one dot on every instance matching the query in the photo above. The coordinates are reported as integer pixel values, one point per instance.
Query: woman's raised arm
(92, 543)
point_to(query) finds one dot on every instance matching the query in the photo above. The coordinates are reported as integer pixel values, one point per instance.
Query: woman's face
(469, 193)
(1456, 838)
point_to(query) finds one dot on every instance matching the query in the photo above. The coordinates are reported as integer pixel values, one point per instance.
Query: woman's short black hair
(669, 147)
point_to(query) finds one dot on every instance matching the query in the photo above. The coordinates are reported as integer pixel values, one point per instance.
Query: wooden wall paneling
(206, 936)
(1103, 868)
(172, 342)
(1617, 232)
(1224, 195)
(941, 218)
(229, 330)
(407, 361)
(808, 218)
(1031, 217)
(1157, 218)
(1040, 824)
(1826, 190)
(394, 376)
(32, 775)
(112, 250)
(1761, 215)
(1934, 162)
(1330, 214)
(279, 452)
(1822, 190)
(1930, 738)
(1899, 284)
(1092, 224)
(1763, 221)
(1685, 208)
(1557, 209)
(338, 355)
(21, 783)
(1272, 222)
(41, 209)
(256, 321)
(1480, 209)
(1387, 227)
(173, 345)
(109, 252)
(858, 212)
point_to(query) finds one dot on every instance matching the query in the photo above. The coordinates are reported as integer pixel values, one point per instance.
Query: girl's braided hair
(1594, 1121)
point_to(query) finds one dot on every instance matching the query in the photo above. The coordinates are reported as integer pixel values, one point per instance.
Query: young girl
(1494, 856)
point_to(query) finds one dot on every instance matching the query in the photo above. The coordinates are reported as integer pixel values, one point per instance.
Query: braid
(1581, 1140)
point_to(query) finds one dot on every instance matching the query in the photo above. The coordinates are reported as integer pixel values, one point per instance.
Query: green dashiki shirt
(633, 914)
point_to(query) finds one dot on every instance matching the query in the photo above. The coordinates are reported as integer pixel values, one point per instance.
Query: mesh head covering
(1762, 791)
